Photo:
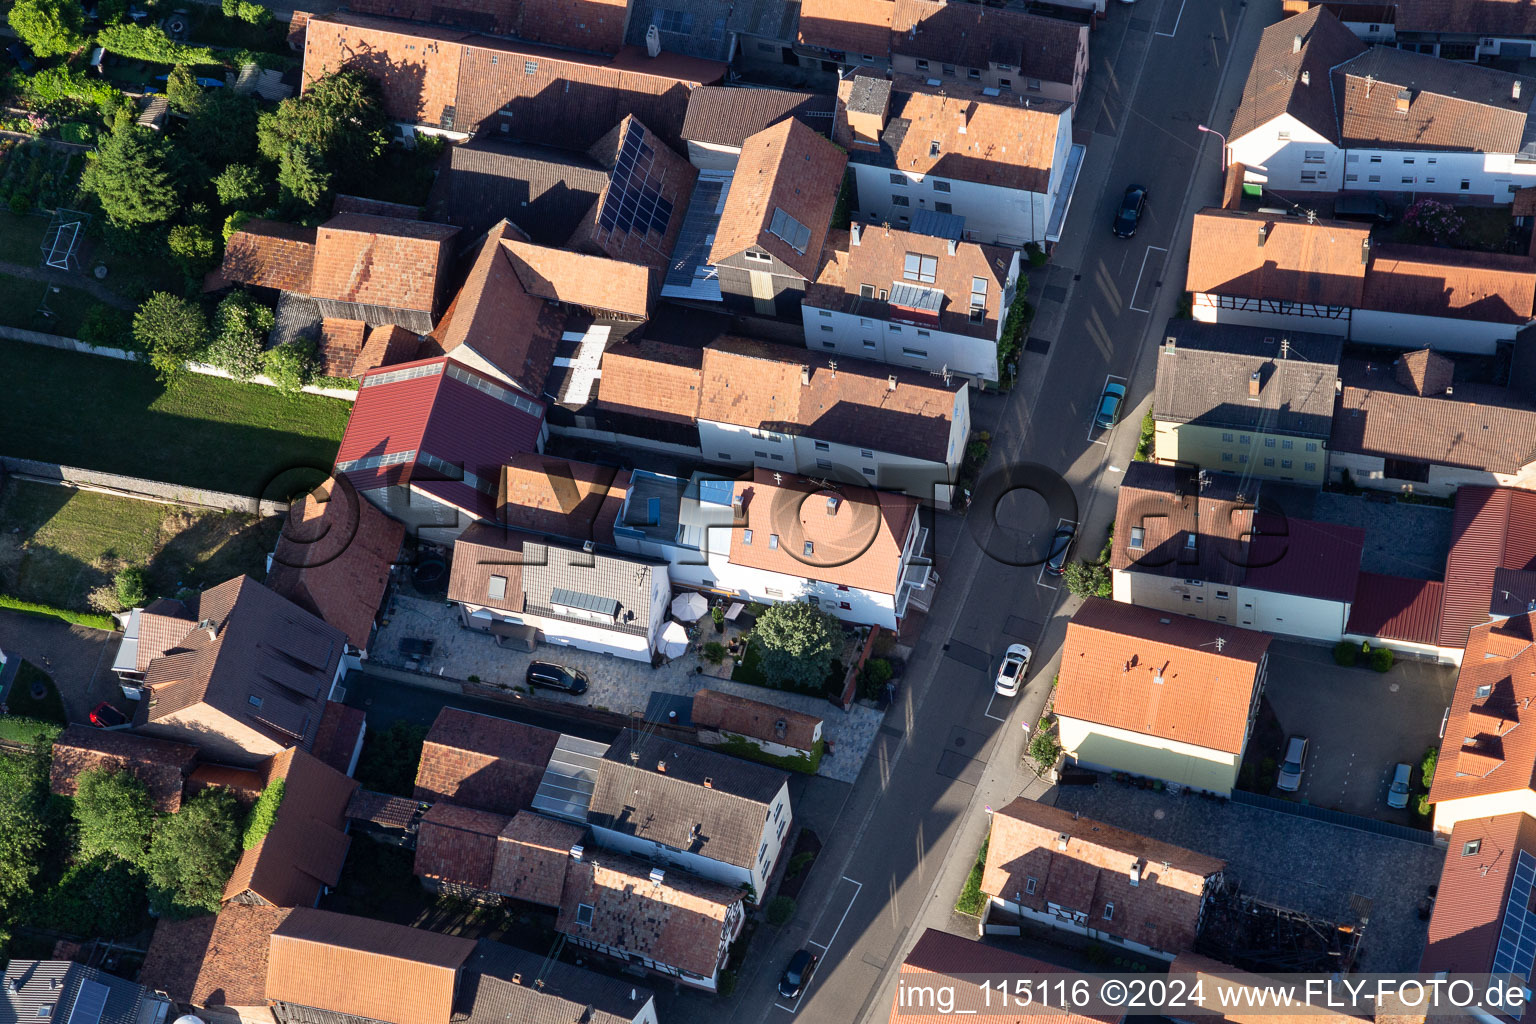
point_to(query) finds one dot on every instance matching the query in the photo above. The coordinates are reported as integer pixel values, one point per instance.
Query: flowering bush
(1438, 220)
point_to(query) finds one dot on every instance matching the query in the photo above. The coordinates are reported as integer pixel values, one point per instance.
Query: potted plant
(718, 614)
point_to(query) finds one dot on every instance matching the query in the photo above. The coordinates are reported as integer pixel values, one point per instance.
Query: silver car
(1397, 793)
(1295, 761)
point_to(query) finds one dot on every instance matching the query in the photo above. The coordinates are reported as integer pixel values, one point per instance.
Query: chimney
(890, 383)
(661, 766)
(1263, 233)
(517, 977)
(951, 246)
(1136, 874)
(1338, 385)
(657, 875)
(1306, 78)
(1403, 98)
(709, 783)
(1296, 45)
(1253, 384)
(1158, 678)
(1365, 251)
(853, 234)
(1514, 92)
(805, 375)
(587, 546)
(866, 103)
(576, 852)
(1171, 343)
(1061, 841)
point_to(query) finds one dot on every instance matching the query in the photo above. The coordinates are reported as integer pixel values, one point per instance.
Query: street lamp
(1223, 138)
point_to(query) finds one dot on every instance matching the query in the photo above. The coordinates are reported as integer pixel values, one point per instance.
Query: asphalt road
(910, 828)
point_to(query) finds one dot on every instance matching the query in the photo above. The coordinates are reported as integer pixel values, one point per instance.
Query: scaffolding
(1254, 935)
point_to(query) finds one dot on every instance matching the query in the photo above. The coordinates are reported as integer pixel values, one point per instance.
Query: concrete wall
(1216, 449)
(865, 607)
(1449, 812)
(1284, 614)
(1080, 924)
(707, 156)
(139, 488)
(560, 633)
(1370, 471)
(834, 332)
(1110, 749)
(1207, 309)
(1443, 334)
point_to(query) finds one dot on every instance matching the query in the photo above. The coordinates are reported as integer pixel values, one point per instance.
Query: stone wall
(137, 487)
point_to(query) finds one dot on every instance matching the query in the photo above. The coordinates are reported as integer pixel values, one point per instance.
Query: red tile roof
(490, 764)
(531, 853)
(728, 712)
(576, 500)
(1140, 670)
(340, 345)
(1423, 281)
(245, 783)
(160, 764)
(964, 960)
(651, 379)
(654, 167)
(790, 168)
(855, 26)
(1491, 528)
(1485, 751)
(593, 282)
(578, 24)
(1263, 256)
(458, 845)
(338, 738)
(270, 254)
(1274, 85)
(977, 36)
(306, 844)
(1396, 608)
(387, 344)
(335, 556)
(1451, 105)
(381, 261)
(428, 408)
(1232, 996)
(1474, 891)
(214, 961)
(1094, 868)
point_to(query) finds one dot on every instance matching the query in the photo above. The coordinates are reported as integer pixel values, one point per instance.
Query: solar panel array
(633, 202)
(792, 231)
(1517, 940)
(90, 1003)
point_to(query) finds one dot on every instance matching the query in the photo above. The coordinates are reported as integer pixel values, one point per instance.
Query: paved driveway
(1361, 723)
(1291, 861)
(79, 659)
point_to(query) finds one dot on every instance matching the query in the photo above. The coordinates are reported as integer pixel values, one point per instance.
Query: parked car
(1109, 406)
(546, 676)
(1397, 793)
(105, 716)
(798, 974)
(1295, 761)
(1129, 216)
(1368, 207)
(1061, 546)
(1011, 674)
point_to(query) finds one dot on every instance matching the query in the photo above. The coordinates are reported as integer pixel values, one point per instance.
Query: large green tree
(23, 792)
(240, 326)
(221, 129)
(329, 136)
(49, 27)
(171, 330)
(193, 853)
(798, 643)
(115, 815)
(129, 173)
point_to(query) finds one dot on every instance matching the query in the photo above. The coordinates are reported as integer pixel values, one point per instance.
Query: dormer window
(746, 536)
(933, 148)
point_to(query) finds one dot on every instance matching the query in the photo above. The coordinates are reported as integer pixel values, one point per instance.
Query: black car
(1129, 216)
(798, 974)
(1061, 544)
(556, 677)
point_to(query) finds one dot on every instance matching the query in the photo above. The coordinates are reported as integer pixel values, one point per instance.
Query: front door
(762, 292)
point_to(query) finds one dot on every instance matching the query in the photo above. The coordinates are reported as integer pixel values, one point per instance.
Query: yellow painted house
(1248, 400)
(1159, 695)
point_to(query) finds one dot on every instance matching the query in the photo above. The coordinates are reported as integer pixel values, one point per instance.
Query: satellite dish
(189, 1018)
(653, 41)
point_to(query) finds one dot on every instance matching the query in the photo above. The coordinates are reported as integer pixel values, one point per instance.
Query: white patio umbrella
(674, 640)
(690, 606)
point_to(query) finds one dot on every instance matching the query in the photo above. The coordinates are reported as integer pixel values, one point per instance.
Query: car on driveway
(105, 716)
(1295, 761)
(545, 676)
(1061, 546)
(798, 974)
(1397, 793)
(1109, 406)
(1128, 217)
(1011, 674)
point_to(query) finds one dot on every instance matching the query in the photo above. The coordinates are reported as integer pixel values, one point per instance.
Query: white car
(1397, 794)
(1295, 761)
(1011, 675)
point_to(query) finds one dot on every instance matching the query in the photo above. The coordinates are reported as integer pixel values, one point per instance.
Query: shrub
(714, 652)
(182, 91)
(172, 330)
(105, 327)
(1147, 442)
(100, 897)
(798, 643)
(263, 814)
(54, 86)
(150, 43)
(1345, 653)
(240, 326)
(1427, 766)
(130, 586)
(1421, 807)
(971, 897)
(290, 364)
(1381, 659)
(255, 14)
(235, 221)
(50, 28)
(1088, 579)
(1037, 256)
(977, 451)
(1438, 220)
(195, 247)
(1044, 750)
(781, 909)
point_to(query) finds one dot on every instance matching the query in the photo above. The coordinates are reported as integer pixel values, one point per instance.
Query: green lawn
(972, 899)
(63, 547)
(21, 299)
(21, 237)
(98, 413)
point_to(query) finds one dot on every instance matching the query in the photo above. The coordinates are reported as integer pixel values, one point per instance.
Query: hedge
(263, 814)
(91, 619)
(150, 43)
(18, 729)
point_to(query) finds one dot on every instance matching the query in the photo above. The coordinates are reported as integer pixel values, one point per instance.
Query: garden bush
(876, 673)
(130, 586)
(1346, 653)
(714, 652)
(150, 43)
(291, 364)
(780, 910)
(1381, 659)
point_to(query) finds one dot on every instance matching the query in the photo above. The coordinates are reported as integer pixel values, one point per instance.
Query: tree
(129, 174)
(1088, 579)
(238, 184)
(115, 815)
(195, 247)
(182, 91)
(798, 643)
(388, 761)
(256, 14)
(50, 28)
(235, 222)
(193, 852)
(101, 897)
(172, 330)
(290, 364)
(240, 326)
(222, 129)
(329, 135)
(23, 791)
(150, 43)
(130, 586)
(105, 327)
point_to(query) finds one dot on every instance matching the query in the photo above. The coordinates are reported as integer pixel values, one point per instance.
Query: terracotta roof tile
(728, 712)
(339, 736)
(245, 783)
(458, 845)
(531, 853)
(652, 379)
(845, 535)
(1484, 752)
(639, 212)
(1396, 608)
(576, 500)
(214, 961)
(160, 764)
(975, 36)
(335, 557)
(1223, 989)
(1145, 672)
(270, 254)
(854, 26)
(723, 116)
(1267, 257)
(1425, 372)
(340, 344)
(384, 809)
(681, 922)
(1474, 892)
(381, 261)
(1491, 528)
(1274, 84)
(158, 633)
(489, 559)
(1452, 105)
(363, 967)
(787, 169)
(387, 345)
(1468, 17)
(506, 985)
(594, 282)
(578, 24)
(487, 763)
(1416, 279)
(374, 207)
(304, 848)
(1162, 911)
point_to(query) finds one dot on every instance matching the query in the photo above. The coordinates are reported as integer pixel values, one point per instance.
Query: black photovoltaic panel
(633, 203)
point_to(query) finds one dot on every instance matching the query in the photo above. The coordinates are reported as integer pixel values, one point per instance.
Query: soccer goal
(61, 244)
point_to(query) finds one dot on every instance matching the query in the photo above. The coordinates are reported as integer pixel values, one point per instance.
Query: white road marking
(1139, 273)
(812, 942)
(988, 713)
(1176, 20)
(1040, 576)
(1093, 425)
